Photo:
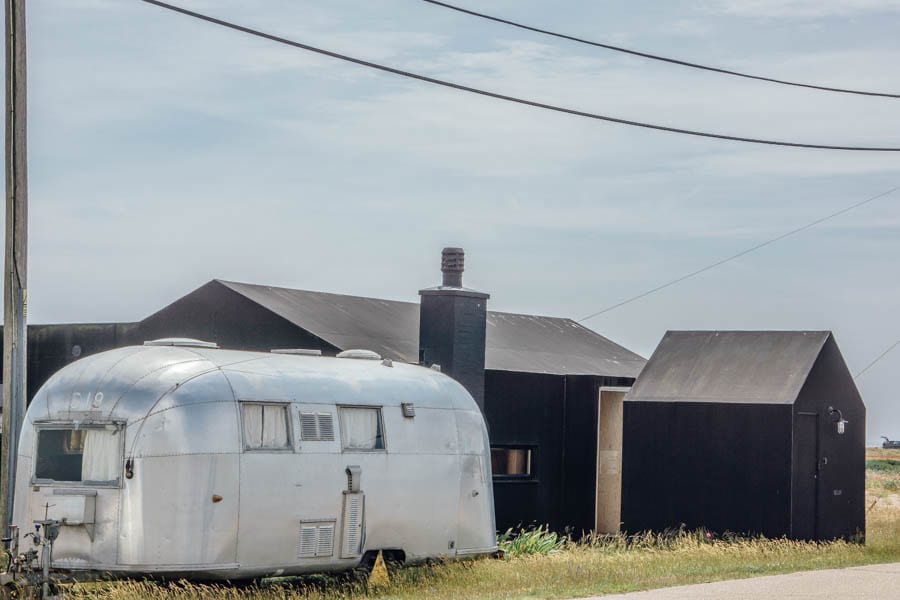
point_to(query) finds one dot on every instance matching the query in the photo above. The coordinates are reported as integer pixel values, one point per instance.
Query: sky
(165, 152)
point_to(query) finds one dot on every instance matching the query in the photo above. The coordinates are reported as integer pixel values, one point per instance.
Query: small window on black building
(509, 462)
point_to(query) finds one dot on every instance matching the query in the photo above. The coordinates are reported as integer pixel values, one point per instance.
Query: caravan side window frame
(289, 427)
(344, 434)
(42, 426)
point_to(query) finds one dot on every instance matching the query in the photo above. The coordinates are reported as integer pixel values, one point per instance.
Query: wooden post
(15, 275)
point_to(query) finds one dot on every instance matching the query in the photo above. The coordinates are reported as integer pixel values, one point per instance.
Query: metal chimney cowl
(453, 326)
(453, 263)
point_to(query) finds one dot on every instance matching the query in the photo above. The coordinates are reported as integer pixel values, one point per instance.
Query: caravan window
(361, 428)
(91, 455)
(265, 426)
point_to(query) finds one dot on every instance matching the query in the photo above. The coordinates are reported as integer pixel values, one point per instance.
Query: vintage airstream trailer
(180, 459)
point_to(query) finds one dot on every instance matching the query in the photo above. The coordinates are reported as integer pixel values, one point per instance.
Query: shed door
(806, 494)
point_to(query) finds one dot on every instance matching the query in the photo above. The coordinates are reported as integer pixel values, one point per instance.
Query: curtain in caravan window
(265, 426)
(274, 431)
(102, 455)
(361, 428)
(253, 425)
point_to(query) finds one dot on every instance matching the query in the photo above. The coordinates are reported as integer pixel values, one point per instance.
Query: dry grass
(883, 479)
(603, 565)
(882, 453)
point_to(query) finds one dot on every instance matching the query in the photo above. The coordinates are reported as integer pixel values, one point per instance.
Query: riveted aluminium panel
(169, 515)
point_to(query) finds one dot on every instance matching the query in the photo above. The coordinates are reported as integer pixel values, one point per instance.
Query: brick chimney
(453, 326)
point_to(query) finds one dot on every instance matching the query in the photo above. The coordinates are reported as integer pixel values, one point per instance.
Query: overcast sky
(165, 152)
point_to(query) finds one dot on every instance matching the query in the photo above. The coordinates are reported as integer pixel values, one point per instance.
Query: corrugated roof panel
(553, 345)
(752, 367)
(524, 343)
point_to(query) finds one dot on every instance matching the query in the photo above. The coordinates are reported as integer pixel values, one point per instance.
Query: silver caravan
(180, 459)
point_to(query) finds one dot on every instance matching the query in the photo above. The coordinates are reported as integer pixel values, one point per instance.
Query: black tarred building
(759, 432)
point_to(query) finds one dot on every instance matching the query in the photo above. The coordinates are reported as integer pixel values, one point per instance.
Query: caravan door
(475, 518)
(76, 479)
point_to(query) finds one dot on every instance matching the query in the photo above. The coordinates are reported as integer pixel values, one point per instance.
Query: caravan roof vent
(183, 342)
(299, 351)
(363, 354)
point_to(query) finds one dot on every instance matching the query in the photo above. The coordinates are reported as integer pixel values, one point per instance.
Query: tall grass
(602, 564)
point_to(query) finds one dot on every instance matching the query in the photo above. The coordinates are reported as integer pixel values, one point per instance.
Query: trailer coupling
(26, 574)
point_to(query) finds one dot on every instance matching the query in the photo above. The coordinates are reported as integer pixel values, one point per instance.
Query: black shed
(759, 432)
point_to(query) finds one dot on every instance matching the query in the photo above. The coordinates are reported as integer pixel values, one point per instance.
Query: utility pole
(15, 297)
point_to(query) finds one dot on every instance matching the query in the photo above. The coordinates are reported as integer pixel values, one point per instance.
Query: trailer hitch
(29, 571)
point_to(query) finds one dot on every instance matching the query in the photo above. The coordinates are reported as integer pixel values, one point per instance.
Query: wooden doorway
(608, 505)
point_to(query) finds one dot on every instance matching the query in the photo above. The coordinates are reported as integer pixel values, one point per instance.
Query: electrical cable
(874, 362)
(738, 255)
(514, 99)
(666, 59)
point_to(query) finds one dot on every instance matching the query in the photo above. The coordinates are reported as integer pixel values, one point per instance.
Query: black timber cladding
(527, 410)
(215, 313)
(732, 431)
(840, 477)
(51, 347)
(556, 417)
(721, 467)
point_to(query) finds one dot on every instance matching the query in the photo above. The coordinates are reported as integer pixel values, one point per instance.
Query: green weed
(530, 541)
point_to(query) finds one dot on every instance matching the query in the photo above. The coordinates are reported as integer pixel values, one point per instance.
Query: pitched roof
(753, 367)
(524, 343)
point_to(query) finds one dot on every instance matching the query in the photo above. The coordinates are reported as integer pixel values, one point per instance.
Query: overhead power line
(874, 362)
(736, 256)
(666, 59)
(514, 99)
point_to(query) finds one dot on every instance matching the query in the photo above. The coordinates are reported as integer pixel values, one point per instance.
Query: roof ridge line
(292, 289)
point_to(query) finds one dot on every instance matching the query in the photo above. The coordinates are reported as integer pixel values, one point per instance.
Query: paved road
(873, 582)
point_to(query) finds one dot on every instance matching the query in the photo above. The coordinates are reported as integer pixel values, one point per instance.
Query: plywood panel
(609, 462)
